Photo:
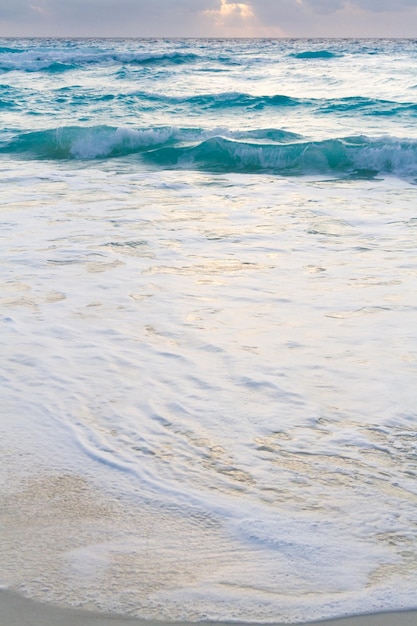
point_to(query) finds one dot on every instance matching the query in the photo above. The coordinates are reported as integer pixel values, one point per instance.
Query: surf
(254, 151)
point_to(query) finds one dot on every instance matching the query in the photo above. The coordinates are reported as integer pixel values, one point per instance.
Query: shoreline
(16, 610)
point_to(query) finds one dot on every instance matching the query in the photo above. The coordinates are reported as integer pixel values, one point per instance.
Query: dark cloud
(101, 17)
(17, 10)
(340, 18)
(385, 5)
(191, 17)
(291, 8)
(329, 6)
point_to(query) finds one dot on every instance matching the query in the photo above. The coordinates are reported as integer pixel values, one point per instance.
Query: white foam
(144, 374)
(101, 142)
(208, 381)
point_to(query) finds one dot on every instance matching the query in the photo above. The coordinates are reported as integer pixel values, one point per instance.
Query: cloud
(142, 18)
(236, 19)
(229, 17)
(386, 5)
(228, 9)
(39, 8)
(340, 18)
(375, 6)
(101, 17)
(14, 10)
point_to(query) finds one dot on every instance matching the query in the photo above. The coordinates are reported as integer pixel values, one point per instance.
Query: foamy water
(208, 304)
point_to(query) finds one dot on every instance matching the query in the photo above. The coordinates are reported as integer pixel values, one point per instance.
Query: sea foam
(208, 326)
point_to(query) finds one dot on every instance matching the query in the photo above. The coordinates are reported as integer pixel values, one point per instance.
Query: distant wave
(61, 60)
(257, 151)
(367, 106)
(168, 57)
(226, 100)
(220, 101)
(6, 104)
(315, 54)
(7, 50)
(10, 97)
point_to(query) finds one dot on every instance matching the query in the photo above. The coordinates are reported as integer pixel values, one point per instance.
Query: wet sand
(18, 611)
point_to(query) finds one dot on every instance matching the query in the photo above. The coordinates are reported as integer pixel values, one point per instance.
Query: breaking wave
(356, 156)
(220, 150)
(79, 142)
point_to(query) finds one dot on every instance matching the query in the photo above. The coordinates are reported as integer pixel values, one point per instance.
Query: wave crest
(78, 142)
(220, 150)
(356, 156)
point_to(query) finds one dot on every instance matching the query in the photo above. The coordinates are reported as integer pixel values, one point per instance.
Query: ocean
(208, 326)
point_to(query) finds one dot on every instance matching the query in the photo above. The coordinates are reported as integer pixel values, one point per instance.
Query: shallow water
(208, 326)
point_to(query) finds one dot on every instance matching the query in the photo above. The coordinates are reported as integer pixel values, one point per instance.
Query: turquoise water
(285, 107)
(208, 301)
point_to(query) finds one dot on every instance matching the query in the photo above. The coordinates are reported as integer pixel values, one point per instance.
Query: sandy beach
(18, 611)
(207, 325)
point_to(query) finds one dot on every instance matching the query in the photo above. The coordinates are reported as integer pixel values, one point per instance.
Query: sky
(208, 18)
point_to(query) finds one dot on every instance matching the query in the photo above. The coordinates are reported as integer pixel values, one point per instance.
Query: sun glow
(230, 12)
(232, 19)
(236, 8)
